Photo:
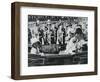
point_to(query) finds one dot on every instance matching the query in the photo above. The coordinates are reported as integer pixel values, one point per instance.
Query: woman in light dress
(74, 45)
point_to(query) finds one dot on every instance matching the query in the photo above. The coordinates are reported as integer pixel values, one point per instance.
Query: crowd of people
(70, 32)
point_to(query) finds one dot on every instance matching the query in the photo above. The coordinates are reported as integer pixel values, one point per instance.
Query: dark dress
(64, 35)
(41, 34)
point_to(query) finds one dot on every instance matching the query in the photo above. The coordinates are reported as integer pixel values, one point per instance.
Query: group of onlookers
(73, 35)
